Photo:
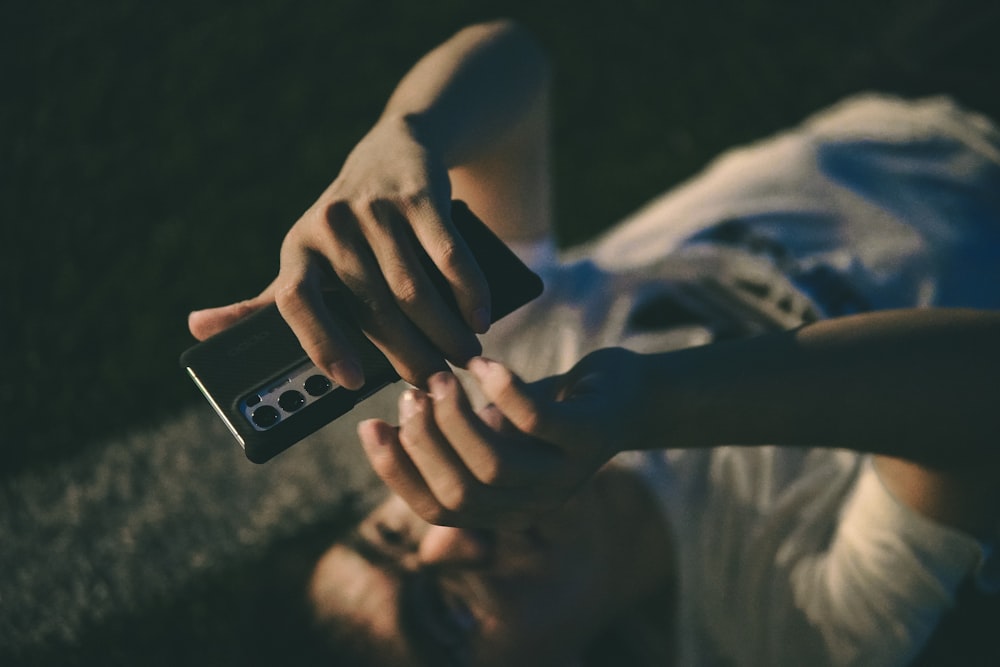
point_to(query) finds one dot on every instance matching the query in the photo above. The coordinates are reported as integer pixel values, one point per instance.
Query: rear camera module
(286, 395)
(290, 401)
(317, 385)
(265, 416)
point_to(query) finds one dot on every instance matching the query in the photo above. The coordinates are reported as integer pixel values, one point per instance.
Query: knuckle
(433, 513)
(532, 421)
(492, 471)
(414, 197)
(448, 253)
(443, 517)
(387, 468)
(457, 497)
(407, 290)
(245, 308)
(374, 312)
(290, 297)
(411, 436)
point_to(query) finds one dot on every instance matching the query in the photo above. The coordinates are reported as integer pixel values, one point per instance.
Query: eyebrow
(429, 650)
(356, 541)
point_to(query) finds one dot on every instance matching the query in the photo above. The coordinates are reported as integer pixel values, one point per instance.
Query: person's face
(458, 596)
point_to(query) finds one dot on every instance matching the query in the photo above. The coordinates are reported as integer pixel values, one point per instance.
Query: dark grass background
(153, 154)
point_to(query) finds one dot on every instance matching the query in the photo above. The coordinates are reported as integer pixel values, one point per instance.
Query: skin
(530, 596)
(917, 389)
(469, 121)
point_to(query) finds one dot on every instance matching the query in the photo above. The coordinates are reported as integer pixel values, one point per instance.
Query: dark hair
(642, 636)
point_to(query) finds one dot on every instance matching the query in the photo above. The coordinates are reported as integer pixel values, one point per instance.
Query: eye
(389, 535)
(395, 538)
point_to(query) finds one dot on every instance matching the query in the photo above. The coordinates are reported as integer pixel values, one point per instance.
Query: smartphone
(261, 383)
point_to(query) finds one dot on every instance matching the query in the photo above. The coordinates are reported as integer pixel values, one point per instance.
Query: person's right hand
(525, 453)
(361, 236)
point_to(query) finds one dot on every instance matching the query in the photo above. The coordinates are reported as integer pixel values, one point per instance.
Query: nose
(445, 545)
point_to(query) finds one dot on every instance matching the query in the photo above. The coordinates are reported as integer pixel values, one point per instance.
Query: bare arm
(470, 121)
(919, 384)
(916, 387)
(919, 388)
(482, 99)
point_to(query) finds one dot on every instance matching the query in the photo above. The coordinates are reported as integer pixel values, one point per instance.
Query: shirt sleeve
(877, 594)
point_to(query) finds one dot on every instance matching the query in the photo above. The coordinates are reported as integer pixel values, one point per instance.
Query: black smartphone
(261, 383)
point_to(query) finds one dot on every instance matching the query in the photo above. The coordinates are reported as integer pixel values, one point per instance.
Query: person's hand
(523, 454)
(361, 236)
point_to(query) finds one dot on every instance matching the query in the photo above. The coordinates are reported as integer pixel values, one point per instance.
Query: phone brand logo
(247, 343)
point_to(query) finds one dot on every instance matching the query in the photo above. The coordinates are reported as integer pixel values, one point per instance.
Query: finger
(385, 453)
(494, 453)
(423, 300)
(514, 399)
(494, 420)
(440, 467)
(438, 235)
(207, 322)
(300, 301)
(374, 307)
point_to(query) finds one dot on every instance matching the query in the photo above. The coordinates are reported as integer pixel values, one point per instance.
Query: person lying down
(752, 424)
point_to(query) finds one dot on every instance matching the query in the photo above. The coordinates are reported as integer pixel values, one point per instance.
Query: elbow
(514, 37)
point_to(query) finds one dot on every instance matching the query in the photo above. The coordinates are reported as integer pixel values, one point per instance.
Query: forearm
(480, 102)
(917, 388)
(916, 384)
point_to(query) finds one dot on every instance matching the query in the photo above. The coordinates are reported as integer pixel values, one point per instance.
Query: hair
(644, 635)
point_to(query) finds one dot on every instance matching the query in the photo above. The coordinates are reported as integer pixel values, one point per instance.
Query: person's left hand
(523, 454)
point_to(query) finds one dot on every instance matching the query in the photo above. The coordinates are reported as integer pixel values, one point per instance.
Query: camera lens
(317, 385)
(265, 416)
(291, 401)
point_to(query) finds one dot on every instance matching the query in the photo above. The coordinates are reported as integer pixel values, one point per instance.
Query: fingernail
(347, 373)
(440, 384)
(481, 320)
(479, 367)
(368, 432)
(408, 405)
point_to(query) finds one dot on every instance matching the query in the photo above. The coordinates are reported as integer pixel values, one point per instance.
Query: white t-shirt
(790, 556)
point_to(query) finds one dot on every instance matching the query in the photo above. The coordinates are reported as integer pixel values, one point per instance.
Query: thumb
(210, 321)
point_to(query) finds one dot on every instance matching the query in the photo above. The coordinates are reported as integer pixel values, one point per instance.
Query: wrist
(650, 420)
(668, 409)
